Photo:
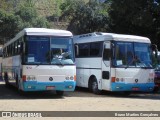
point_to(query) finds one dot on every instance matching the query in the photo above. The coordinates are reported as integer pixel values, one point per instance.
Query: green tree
(6, 5)
(24, 16)
(8, 25)
(85, 17)
(139, 18)
(29, 16)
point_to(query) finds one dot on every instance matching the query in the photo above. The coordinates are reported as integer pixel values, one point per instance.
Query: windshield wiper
(143, 65)
(140, 63)
(135, 60)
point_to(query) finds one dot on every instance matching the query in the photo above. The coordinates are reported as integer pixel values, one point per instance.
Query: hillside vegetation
(82, 16)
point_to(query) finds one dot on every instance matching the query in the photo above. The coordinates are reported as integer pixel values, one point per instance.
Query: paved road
(80, 100)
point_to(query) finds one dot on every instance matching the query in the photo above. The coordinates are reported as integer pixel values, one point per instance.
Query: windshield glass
(61, 51)
(157, 68)
(129, 54)
(49, 50)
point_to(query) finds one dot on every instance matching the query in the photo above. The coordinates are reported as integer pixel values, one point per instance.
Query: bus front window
(123, 54)
(49, 50)
(37, 50)
(130, 54)
(62, 51)
(143, 53)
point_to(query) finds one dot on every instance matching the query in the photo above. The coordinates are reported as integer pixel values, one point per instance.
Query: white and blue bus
(40, 59)
(114, 62)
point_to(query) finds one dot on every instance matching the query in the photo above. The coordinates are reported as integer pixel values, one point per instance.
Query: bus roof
(100, 36)
(45, 31)
(41, 32)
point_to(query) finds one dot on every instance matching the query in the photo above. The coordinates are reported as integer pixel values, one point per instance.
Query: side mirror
(77, 50)
(154, 48)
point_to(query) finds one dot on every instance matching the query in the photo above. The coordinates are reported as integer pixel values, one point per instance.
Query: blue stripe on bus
(143, 87)
(41, 86)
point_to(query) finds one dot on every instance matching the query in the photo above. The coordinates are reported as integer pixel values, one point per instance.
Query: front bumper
(141, 87)
(43, 86)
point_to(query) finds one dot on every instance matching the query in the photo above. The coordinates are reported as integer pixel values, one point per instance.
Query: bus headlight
(151, 80)
(122, 79)
(117, 79)
(31, 78)
(69, 78)
(28, 78)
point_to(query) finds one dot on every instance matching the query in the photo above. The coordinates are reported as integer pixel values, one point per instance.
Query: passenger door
(106, 66)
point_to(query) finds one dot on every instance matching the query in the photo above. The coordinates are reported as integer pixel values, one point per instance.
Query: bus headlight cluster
(31, 78)
(69, 77)
(150, 80)
(120, 80)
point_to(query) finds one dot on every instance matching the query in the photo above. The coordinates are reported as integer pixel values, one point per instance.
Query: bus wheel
(94, 86)
(6, 80)
(60, 93)
(17, 84)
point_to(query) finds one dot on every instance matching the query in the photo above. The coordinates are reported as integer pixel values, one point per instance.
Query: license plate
(135, 88)
(50, 88)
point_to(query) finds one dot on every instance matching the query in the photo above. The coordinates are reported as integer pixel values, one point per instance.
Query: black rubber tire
(59, 93)
(94, 86)
(17, 84)
(156, 90)
(6, 80)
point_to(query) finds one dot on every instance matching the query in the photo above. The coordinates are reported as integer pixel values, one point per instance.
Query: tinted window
(38, 50)
(84, 50)
(106, 54)
(131, 54)
(95, 49)
(49, 50)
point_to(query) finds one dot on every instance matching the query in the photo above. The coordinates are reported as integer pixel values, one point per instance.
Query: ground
(80, 100)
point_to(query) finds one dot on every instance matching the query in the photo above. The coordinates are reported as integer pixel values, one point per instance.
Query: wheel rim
(94, 86)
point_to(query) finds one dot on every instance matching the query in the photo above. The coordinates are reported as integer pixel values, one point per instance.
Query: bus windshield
(49, 50)
(130, 54)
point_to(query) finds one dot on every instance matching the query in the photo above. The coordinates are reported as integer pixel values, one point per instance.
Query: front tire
(6, 80)
(94, 86)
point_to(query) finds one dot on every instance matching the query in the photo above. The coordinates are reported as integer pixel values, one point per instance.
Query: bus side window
(9, 50)
(95, 49)
(15, 47)
(106, 52)
(84, 50)
(1, 53)
(20, 46)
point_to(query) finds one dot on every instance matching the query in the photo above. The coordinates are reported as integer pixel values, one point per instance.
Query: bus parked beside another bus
(114, 62)
(40, 59)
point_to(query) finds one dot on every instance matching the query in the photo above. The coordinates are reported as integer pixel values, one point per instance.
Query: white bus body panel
(44, 72)
(87, 69)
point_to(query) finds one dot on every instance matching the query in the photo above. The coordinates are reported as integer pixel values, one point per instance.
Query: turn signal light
(113, 79)
(74, 77)
(24, 78)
